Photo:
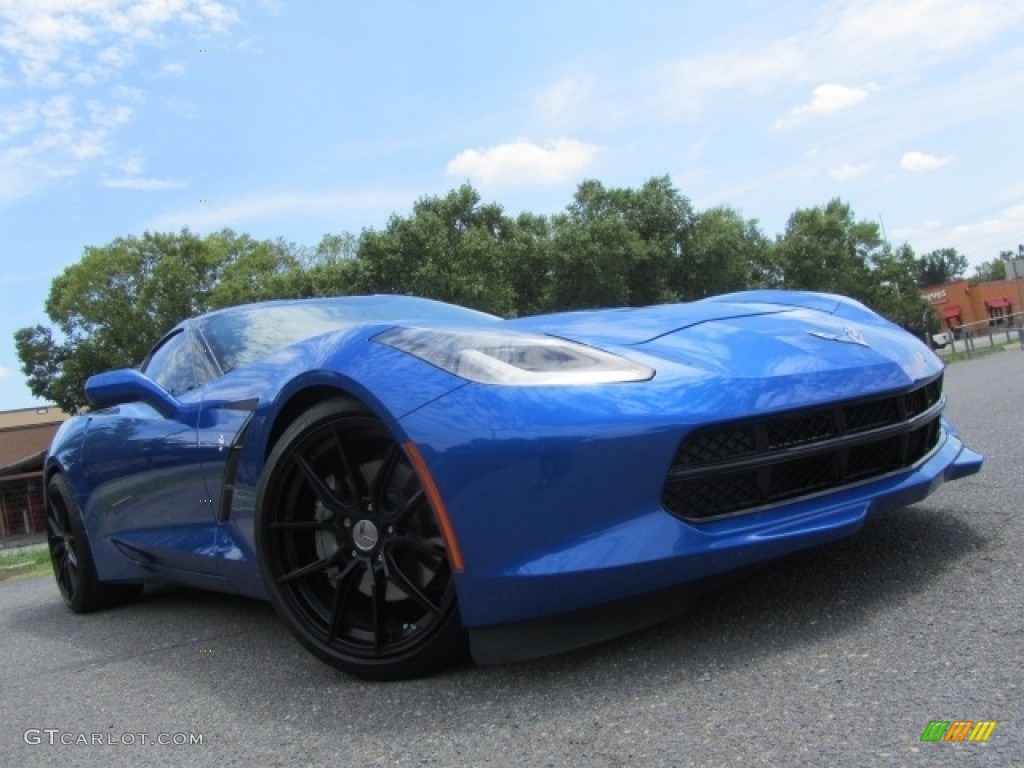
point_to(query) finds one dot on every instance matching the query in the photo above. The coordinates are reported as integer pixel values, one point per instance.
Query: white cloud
(926, 229)
(109, 116)
(1010, 221)
(45, 140)
(979, 238)
(136, 182)
(891, 39)
(561, 97)
(181, 107)
(916, 33)
(61, 40)
(846, 171)
(131, 164)
(116, 56)
(172, 69)
(689, 80)
(252, 44)
(19, 182)
(5, 373)
(523, 163)
(58, 113)
(18, 119)
(920, 161)
(127, 93)
(827, 99)
(57, 45)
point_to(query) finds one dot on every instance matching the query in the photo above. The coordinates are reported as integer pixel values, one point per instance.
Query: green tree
(894, 291)
(827, 249)
(252, 270)
(528, 257)
(726, 253)
(330, 270)
(47, 365)
(617, 247)
(941, 266)
(115, 303)
(280, 270)
(997, 269)
(451, 248)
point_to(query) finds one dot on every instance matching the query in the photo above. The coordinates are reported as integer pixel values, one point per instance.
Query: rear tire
(350, 551)
(71, 557)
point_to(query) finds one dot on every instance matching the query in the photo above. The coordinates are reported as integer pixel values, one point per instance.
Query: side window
(171, 365)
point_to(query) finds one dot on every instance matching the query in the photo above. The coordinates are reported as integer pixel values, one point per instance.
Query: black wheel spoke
(432, 551)
(403, 582)
(327, 496)
(342, 592)
(412, 505)
(382, 480)
(351, 479)
(317, 566)
(68, 575)
(379, 593)
(55, 530)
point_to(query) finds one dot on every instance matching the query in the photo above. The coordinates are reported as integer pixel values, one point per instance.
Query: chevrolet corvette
(403, 479)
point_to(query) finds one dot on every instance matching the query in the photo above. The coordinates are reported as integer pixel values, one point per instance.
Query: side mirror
(129, 386)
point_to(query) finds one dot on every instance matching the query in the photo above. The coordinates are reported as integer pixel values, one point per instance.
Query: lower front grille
(737, 467)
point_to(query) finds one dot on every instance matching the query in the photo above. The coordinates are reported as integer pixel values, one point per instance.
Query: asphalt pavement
(840, 656)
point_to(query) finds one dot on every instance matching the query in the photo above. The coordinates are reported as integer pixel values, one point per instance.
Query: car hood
(638, 325)
(753, 338)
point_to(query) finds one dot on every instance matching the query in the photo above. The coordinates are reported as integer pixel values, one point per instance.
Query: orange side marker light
(434, 496)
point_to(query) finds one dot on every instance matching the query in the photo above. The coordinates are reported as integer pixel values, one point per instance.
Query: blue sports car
(400, 476)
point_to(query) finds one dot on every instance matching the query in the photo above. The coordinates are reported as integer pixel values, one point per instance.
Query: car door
(150, 499)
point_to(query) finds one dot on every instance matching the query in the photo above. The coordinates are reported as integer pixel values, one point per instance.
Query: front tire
(350, 552)
(71, 557)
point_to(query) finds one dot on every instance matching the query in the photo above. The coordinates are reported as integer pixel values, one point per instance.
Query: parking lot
(837, 656)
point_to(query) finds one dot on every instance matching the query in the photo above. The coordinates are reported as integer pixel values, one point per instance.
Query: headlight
(519, 359)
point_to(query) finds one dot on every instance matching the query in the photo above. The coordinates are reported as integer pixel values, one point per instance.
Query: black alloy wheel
(350, 550)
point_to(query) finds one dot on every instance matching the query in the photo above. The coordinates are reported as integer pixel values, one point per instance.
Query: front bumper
(644, 572)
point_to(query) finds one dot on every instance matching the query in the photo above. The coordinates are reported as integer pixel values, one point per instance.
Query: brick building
(979, 305)
(25, 436)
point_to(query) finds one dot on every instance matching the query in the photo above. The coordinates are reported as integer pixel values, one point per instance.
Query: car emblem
(364, 535)
(850, 336)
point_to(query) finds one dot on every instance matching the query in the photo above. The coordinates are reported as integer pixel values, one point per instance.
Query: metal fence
(969, 337)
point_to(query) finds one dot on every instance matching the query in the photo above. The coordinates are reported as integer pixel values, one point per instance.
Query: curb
(36, 547)
(14, 570)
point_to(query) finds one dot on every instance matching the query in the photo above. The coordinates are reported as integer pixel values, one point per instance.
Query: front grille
(740, 466)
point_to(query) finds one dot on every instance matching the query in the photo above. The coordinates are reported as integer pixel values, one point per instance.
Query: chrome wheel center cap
(365, 535)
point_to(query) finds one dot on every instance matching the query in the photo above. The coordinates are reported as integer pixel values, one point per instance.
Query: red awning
(997, 303)
(951, 311)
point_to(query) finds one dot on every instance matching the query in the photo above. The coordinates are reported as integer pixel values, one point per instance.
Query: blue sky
(299, 119)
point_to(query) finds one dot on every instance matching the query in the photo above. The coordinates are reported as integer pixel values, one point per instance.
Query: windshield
(246, 334)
